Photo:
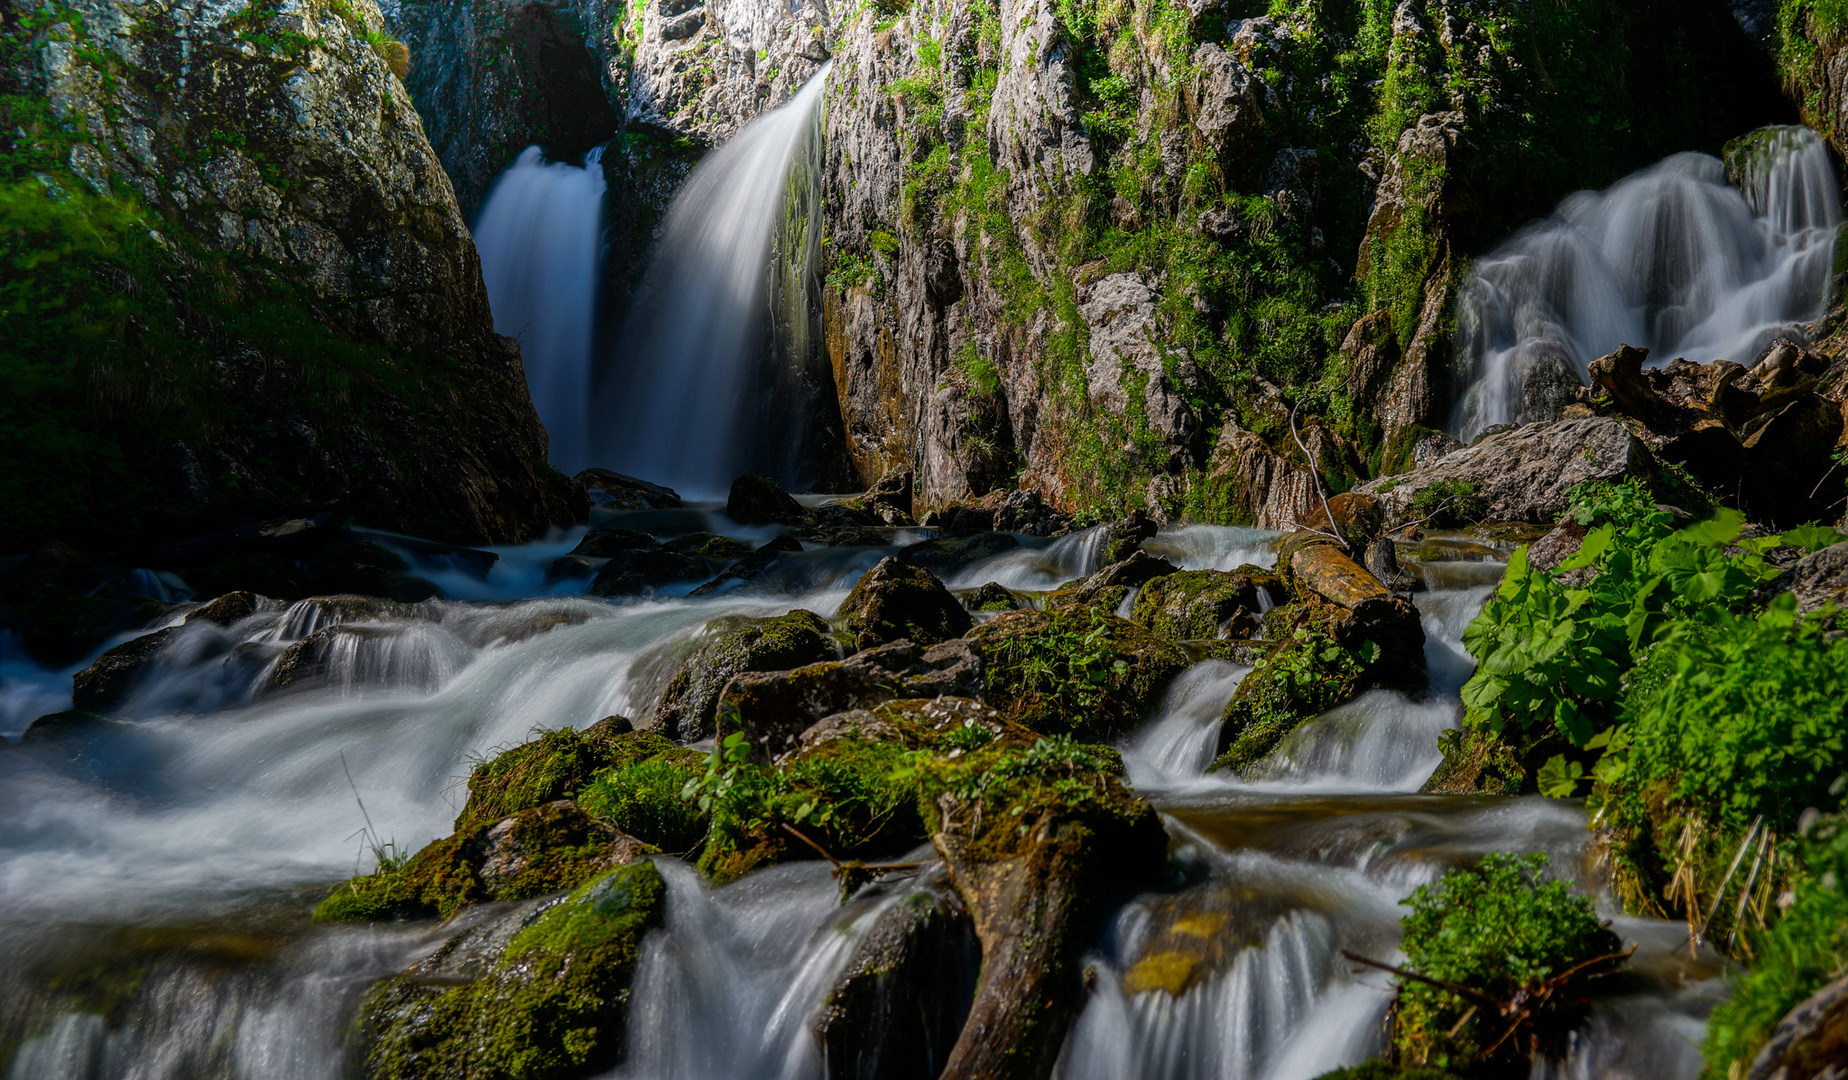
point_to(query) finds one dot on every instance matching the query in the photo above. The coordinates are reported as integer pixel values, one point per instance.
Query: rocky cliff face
(249, 285)
(1103, 248)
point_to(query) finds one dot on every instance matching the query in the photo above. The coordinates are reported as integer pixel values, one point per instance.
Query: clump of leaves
(644, 799)
(1501, 961)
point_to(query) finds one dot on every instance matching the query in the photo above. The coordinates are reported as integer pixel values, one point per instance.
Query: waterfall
(1672, 259)
(697, 392)
(540, 238)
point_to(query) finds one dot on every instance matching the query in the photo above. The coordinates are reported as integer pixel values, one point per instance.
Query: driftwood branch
(1315, 475)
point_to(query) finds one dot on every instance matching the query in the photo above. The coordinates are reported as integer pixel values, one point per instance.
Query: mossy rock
(705, 545)
(1074, 671)
(552, 767)
(1477, 763)
(1197, 605)
(1322, 656)
(553, 1005)
(992, 599)
(743, 644)
(894, 600)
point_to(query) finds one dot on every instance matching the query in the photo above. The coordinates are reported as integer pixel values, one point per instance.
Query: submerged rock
(686, 710)
(894, 600)
(550, 1004)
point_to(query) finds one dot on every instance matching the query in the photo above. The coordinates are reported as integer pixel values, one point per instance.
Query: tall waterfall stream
(1672, 259)
(169, 865)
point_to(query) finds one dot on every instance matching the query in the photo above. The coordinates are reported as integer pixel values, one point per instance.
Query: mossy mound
(742, 644)
(1206, 604)
(894, 600)
(1074, 670)
(643, 799)
(553, 766)
(520, 836)
(553, 1005)
(992, 599)
(1320, 657)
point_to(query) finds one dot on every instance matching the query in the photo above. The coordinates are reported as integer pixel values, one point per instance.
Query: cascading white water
(1671, 259)
(540, 239)
(688, 399)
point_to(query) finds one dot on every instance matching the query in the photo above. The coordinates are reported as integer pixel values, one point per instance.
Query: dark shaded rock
(72, 725)
(604, 543)
(282, 536)
(752, 565)
(1382, 561)
(706, 545)
(1523, 474)
(1107, 588)
(1126, 536)
(795, 640)
(898, 1005)
(1821, 578)
(757, 500)
(991, 598)
(1207, 604)
(1073, 670)
(894, 600)
(891, 498)
(571, 568)
(106, 683)
(946, 555)
(773, 709)
(614, 491)
(1809, 1043)
(633, 571)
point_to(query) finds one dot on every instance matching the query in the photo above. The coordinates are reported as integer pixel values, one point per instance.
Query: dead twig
(1316, 476)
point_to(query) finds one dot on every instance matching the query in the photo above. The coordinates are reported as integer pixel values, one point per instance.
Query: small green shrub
(1500, 929)
(1449, 504)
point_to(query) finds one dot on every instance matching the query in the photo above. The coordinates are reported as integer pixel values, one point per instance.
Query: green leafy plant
(1504, 960)
(645, 799)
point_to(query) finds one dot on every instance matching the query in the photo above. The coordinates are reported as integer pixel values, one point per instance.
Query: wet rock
(1811, 1042)
(604, 543)
(1108, 588)
(1074, 670)
(571, 568)
(752, 566)
(1207, 604)
(891, 498)
(757, 500)
(773, 709)
(634, 571)
(72, 725)
(1821, 578)
(991, 598)
(1523, 474)
(1124, 537)
(284, 536)
(705, 545)
(899, 1003)
(625, 494)
(795, 640)
(107, 682)
(547, 849)
(944, 556)
(551, 1005)
(542, 623)
(894, 600)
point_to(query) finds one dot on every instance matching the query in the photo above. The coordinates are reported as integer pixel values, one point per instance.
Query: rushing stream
(155, 880)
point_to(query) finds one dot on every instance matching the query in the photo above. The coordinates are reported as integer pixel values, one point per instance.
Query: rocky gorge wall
(241, 285)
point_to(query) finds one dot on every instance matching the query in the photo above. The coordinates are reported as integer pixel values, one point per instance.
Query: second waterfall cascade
(699, 389)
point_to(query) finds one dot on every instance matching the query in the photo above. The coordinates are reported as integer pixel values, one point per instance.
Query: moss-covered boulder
(992, 599)
(1073, 671)
(742, 644)
(551, 1005)
(894, 600)
(1206, 604)
(519, 835)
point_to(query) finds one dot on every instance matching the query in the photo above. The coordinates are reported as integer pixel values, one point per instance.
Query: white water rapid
(179, 850)
(540, 239)
(697, 392)
(1672, 259)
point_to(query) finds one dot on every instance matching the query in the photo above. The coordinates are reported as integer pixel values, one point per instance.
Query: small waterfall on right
(540, 239)
(1673, 259)
(698, 391)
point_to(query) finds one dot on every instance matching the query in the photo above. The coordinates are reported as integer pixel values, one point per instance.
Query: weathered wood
(1331, 574)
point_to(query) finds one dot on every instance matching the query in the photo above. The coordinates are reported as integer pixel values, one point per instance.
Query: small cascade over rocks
(540, 239)
(698, 392)
(1673, 259)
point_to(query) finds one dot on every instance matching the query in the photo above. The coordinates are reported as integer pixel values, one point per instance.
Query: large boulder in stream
(759, 500)
(106, 683)
(739, 644)
(541, 993)
(894, 600)
(1521, 474)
